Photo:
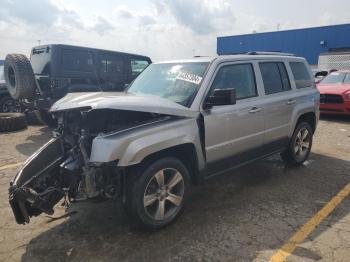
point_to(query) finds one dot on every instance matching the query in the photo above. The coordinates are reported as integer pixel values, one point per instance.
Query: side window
(275, 77)
(111, 65)
(77, 60)
(137, 66)
(347, 79)
(301, 75)
(241, 77)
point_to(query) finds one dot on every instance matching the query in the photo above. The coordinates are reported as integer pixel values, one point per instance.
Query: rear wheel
(158, 194)
(299, 146)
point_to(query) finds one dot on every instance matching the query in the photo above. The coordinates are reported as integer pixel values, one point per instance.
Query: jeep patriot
(178, 123)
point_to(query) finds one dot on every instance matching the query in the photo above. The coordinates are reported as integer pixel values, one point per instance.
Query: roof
(90, 48)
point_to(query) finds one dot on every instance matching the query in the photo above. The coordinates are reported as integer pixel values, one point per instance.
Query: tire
(12, 122)
(45, 118)
(299, 148)
(19, 76)
(145, 183)
(8, 105)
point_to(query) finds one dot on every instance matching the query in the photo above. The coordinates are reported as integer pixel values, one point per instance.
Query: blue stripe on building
(307, 42)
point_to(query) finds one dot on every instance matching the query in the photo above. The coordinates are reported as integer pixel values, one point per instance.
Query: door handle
(291, 101)
(255, 110)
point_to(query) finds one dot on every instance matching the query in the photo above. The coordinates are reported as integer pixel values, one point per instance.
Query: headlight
(347, 96)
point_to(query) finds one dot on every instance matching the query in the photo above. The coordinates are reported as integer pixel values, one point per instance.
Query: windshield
(2, 73)
(334, 78)
(177, 82)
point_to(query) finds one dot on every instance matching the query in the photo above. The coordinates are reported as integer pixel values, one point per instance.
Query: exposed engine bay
(62, 167)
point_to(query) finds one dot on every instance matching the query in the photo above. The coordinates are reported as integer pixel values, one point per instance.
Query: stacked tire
(12, 122)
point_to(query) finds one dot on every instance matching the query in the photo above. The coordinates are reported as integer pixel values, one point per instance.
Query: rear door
(278, 102)
(234, 133)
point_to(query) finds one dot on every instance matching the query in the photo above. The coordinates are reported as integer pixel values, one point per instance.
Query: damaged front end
(62, 167)
(38, 186)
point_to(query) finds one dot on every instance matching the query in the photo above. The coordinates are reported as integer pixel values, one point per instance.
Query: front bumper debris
(26, 197)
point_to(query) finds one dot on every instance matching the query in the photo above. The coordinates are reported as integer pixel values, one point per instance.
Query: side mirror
(221, 97)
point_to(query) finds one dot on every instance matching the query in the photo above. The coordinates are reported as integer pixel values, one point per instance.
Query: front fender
(132, 147)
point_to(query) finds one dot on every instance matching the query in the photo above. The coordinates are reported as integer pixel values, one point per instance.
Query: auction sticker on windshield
(189, 78)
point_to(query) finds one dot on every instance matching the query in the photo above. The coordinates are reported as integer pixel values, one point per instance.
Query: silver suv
(178, 123)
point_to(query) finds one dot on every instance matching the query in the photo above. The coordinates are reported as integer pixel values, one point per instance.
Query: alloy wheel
(164, 194)
(302, 143)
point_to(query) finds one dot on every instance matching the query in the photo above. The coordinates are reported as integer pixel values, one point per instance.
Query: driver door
(234, 133)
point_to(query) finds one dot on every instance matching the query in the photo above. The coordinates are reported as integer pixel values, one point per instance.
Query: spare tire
(19, 76)
(12, 122)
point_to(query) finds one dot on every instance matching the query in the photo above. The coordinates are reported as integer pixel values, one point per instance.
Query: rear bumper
(339, 109)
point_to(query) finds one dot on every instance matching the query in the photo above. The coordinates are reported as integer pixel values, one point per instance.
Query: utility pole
(278, 26)
(39, 41)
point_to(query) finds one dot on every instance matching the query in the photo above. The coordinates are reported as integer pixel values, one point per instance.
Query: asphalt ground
(261, 212)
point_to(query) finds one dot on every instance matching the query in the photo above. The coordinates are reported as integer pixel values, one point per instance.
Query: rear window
(301, 75)
(275, 77)
(77, 60)
(40, 60)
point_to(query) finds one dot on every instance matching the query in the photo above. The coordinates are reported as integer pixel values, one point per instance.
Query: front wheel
(299, 146)
(158, 194)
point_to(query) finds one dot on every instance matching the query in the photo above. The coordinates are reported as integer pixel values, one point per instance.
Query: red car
(335, 93)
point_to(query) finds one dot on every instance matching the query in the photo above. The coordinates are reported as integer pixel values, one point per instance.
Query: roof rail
(261, 53)
(268, 53)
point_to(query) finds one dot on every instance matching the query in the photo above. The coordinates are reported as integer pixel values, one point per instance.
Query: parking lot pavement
(246, 215)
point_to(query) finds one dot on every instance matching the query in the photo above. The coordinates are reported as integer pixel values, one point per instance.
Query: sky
(161, 29)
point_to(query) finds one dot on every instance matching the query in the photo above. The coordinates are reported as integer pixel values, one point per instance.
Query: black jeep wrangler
(55, 70)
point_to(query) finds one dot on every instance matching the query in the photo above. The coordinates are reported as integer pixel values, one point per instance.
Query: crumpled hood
(122, 101)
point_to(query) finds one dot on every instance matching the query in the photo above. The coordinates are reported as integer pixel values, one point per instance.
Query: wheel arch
(186, 153)
(309, 117)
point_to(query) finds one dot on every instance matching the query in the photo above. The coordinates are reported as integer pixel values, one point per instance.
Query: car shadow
(34, 142)
(237, 216)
